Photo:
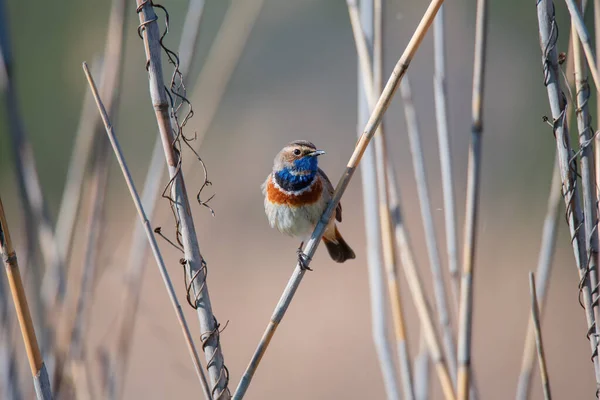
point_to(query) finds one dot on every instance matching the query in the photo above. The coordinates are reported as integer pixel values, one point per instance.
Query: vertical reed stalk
(586, 42)
(588, 192)
(472, 206)
(194, 263)
(373, 224)
(548, 38)
(443, 133)
(416, 150)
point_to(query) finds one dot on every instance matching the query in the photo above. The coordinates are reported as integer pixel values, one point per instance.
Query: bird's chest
(294, 213)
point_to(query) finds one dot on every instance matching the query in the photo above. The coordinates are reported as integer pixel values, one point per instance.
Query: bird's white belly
(295, 221)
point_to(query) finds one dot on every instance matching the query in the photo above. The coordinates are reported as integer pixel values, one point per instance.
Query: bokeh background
(297, 79)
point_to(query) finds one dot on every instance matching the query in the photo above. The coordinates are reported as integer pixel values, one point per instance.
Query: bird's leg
(303, 259)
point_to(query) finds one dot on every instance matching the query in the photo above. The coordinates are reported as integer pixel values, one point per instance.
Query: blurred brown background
(296, 79)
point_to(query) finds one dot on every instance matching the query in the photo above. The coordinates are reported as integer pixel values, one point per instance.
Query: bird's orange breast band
(307, 197)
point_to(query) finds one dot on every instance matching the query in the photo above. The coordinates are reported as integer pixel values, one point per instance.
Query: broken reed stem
(443, 134)
(439, 286)
(150, 235)
(138, 253)
(586, 43)
(472, 206)
(568, 166)
(543, 271)
(535, 317)
(415, 284)
(71, 197)
(34, 356)
(376, 116)
(373, 216)
(194, 262)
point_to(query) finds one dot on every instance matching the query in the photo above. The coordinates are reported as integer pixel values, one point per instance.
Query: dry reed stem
(194, 262)
(548, 38)
(376, 116)
(34, 356)
(586, 43)
(150, 235)
(387, 231)
(472, 206)
(139, 246)
(415, 284)
(427, 217)
(535, 317)
(586, 140)
(544, 269)
(443, 134)
(374, 213)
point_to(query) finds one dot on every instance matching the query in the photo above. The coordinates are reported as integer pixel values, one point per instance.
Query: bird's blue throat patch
(299, 176)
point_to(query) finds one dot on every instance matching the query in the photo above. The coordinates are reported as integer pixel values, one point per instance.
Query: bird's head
(298, 157)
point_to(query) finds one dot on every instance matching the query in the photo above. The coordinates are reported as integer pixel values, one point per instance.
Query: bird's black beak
(316, 153)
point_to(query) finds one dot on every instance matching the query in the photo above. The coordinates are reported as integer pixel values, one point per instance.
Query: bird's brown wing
(329, 188)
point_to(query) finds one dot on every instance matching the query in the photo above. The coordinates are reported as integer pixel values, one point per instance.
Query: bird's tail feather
(338, 249)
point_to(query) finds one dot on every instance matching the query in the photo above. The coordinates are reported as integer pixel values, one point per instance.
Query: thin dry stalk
(425, 204)
(369, 131)
(441, 118)
(374, 216)
(34, 356)
(415, 284)
(194, 263)
(472, 207)
(535, 317)
(139, 245)
(548, 37)
(544, 269)
(150, 235)
(586, 42)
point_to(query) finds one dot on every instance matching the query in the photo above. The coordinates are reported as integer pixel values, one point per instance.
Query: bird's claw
(303, 259)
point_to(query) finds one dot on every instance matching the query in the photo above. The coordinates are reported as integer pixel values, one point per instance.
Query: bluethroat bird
(296, 194)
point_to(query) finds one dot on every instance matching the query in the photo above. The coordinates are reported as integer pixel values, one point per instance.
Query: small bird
(296, 194)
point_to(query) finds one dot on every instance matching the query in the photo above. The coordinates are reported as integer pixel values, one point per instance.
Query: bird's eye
(297, 152)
